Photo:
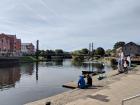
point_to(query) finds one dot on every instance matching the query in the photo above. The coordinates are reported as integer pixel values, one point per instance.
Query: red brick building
(18, 47)
(12, 44)
(9, 45)
(4, 45)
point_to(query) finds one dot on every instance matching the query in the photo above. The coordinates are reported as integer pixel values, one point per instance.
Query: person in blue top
(81, 82)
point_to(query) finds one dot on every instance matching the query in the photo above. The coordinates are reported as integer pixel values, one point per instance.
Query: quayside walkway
(128, 86)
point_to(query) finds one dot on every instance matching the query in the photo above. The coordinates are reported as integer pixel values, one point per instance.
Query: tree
(39, 53)
(43, 53)
(76, 52)
(100, 51)
(84, 51)
(108, 52)
(59, 52)
(119, 44)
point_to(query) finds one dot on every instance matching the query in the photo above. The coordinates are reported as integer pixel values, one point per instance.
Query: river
(23, 83)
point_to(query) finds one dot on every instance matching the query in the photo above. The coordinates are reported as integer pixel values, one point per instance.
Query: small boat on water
(92, 72)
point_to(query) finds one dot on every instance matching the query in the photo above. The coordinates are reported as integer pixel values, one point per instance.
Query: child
(125, 65)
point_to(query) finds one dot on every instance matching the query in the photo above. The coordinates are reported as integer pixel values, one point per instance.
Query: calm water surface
(24, 83)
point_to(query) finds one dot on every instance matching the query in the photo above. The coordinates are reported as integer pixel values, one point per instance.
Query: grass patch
(27, 59)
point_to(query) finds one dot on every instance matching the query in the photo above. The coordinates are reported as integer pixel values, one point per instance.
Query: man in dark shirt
(89, 80)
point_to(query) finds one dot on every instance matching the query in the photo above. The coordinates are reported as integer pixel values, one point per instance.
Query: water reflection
(33, 81)
(59, 62)
(77, 64)
(36, 71)
(55, 62)
(27, 68)
(10, 75)
(90, 66)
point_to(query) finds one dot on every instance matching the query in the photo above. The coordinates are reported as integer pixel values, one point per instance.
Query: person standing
(122, 57)
(121, 61)
(120, 66)
(129, 60)
(125, 65)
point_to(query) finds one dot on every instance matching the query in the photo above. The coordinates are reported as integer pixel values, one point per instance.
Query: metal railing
(130, 98)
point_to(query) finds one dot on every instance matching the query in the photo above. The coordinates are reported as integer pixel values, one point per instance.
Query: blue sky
(71, 24)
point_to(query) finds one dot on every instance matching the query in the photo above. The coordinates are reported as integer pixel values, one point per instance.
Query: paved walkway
(129, 85)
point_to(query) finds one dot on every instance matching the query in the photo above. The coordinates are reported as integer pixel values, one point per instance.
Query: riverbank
(27, 59)
(22, 59)
(80, 94)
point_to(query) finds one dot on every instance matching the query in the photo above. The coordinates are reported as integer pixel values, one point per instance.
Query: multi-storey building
(4, 45)
(12, 44)
(18, 47)
(27, 48)
(9, 45)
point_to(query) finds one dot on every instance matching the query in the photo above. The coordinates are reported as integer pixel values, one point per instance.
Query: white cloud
(71, 24)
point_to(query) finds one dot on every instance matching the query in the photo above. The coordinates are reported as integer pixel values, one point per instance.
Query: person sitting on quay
(81, 83)
(89, 80)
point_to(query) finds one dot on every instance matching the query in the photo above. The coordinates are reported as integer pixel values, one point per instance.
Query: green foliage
(77, 60)
(84, 51)
(27, 59)
(109, 52)
(42, 53)
(76, 52)
(113, 63)
(59, 52)
(50, 52)
(92, 52)
(119, 44)
(76, 63)
(100, 51)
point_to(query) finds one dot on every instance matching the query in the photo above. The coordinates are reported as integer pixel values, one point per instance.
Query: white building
(27, 48)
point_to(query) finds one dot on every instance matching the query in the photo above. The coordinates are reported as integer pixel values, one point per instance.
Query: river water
(23, 83)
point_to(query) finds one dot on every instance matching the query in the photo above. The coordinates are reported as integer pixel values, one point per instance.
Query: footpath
(128, 86)
(109, 91)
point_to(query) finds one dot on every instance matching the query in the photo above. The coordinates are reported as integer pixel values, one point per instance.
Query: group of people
(82, 83)
(124, 63)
